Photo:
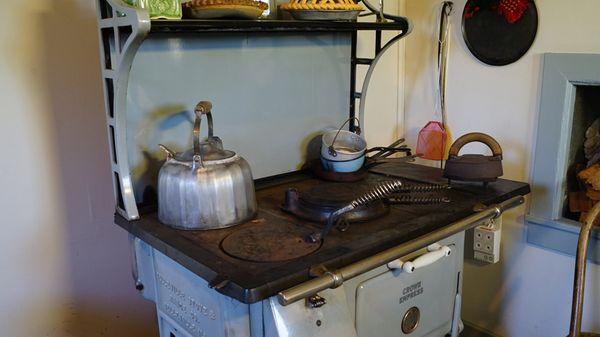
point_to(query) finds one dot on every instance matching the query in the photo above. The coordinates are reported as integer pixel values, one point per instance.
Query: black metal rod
(353, 63)
(366, 61)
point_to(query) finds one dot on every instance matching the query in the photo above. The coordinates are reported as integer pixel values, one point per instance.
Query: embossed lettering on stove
(411, 292)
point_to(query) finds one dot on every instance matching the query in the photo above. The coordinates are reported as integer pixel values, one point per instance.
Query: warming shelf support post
(122, 29)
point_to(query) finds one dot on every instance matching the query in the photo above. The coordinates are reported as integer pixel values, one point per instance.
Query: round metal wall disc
(492, 37)
(268, 242)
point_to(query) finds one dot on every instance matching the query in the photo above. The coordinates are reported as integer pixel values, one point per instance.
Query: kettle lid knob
(203, 107)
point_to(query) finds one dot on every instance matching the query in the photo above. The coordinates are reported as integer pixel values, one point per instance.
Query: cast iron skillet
(492, 39)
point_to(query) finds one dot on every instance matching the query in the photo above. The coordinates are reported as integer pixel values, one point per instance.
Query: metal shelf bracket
(362, 94)
(122, 29)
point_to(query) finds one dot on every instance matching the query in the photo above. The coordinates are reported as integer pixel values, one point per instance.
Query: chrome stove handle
(336, 278)
(435, 252)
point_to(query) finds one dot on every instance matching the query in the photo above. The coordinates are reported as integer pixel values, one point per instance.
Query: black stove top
(255, 260)
(335, 194)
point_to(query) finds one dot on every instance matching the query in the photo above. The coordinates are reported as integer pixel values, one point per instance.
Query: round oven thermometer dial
(411, 319)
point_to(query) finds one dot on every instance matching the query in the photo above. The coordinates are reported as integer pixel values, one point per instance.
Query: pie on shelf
(343, 10)
(213, 9)
(322, 5)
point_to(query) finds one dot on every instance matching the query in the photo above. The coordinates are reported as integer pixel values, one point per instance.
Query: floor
(472, 331)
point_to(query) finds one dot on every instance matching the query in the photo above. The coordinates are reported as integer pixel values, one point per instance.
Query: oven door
(421, 303)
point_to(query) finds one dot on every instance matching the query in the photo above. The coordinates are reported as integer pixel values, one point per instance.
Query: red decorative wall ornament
(512, 10)
(470, 10)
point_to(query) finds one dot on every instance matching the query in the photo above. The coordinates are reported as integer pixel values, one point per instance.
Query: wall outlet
(486, 241)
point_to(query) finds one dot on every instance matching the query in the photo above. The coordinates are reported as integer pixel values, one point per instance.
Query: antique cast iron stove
(390, 269)
(387, 268)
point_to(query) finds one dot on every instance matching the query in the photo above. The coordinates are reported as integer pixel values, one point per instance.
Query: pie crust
(322, 5)
(197, 4)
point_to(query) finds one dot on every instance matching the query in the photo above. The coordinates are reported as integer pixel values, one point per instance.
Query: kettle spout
(170, 154)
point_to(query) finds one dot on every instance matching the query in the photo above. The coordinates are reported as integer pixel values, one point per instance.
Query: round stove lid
(268, 242)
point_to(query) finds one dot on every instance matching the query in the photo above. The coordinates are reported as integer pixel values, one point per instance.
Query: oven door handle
(435, 253)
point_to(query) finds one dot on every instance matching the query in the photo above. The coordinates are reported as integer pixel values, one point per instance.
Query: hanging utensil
(433, 137)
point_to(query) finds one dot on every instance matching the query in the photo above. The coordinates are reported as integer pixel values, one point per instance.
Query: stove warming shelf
(249, 282)
(257, 26)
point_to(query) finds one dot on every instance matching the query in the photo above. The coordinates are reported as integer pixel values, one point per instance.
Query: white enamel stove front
(419, 298)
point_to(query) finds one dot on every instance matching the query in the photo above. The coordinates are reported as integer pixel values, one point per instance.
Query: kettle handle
(475, 137)
(202, 108)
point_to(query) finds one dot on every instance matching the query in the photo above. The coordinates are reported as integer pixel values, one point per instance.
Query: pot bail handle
(358, 130)
(475, 137)
(202, 108)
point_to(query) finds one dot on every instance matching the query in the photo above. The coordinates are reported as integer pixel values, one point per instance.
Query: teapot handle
(202, 108)
(475, 137)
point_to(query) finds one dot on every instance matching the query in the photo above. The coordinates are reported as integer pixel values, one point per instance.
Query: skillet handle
(475, 137)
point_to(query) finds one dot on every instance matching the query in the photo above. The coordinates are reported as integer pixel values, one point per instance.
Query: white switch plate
(486, 241)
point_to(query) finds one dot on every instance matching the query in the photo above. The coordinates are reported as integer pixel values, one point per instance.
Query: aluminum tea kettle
(206, 187)
(474, 167)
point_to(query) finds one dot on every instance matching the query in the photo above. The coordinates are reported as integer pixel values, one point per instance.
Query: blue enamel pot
(346, 166)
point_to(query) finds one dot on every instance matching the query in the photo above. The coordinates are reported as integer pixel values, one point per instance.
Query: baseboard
(475, 331)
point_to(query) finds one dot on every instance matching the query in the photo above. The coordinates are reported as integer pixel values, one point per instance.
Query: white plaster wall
(64, 266)
(529, 293)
